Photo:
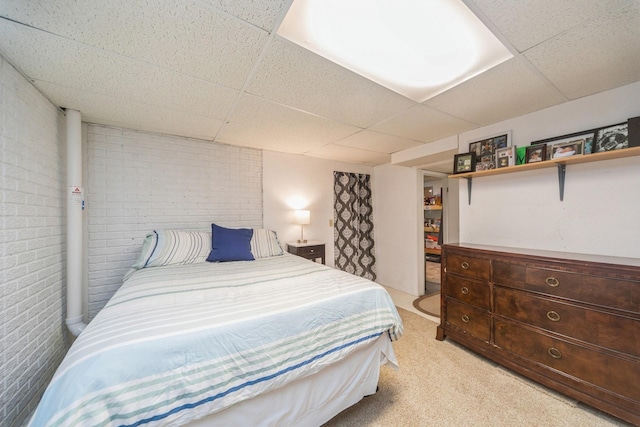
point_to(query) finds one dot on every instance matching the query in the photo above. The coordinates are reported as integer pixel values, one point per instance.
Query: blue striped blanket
(179, 342)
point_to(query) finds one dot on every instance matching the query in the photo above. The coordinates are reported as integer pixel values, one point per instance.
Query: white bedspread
(176, 343)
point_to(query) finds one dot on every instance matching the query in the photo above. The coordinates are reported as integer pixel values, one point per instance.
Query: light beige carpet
(429, 304)
(443, 384)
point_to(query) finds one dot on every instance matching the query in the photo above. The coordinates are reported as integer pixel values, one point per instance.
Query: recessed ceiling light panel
(418, 48)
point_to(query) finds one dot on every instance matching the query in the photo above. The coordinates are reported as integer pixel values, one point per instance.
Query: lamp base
(302, 241)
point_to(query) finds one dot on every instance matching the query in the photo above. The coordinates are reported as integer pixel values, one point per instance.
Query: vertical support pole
(562, 172)
(469, 185)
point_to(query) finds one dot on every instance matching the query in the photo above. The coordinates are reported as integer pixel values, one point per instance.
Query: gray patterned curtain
(353, 218)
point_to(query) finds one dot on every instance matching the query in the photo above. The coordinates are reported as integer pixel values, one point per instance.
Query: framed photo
(464, 163)
(615, 137)
(536, 153)
(505, 157)
(567, 149)
(587, 136)
(485, 149)
(485, 165)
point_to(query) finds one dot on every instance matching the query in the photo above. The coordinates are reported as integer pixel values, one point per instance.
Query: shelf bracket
(469, 185)
(562, 172)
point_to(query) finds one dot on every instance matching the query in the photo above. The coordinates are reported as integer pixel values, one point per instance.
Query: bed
(272, 340)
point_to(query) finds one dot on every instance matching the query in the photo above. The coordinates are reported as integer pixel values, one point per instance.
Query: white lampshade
(302, 216)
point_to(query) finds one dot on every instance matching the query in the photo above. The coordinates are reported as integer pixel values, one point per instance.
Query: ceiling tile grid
(527, 23)
(296, 77)
(600, 56)
(103, 109)
(215, 69)
(268, 115)
(185, 36)
(378, 142)
(79, 67)
(508, 90)
(424, 124)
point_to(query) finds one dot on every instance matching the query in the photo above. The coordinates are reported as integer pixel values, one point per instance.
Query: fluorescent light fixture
(418, 48)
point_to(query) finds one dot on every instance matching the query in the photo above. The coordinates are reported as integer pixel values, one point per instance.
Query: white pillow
(264, 243)
(165, 247)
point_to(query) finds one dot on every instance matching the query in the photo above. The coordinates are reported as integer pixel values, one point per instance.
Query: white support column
(75, 206)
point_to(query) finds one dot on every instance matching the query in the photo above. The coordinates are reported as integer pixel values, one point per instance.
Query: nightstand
(311, 250)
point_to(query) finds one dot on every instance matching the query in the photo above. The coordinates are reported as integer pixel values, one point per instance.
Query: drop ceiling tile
(592, 59)
(349, 154)
(424, 124)
(508, 90)
(184, 36)
(248, 136)
(378, 142)
(528, 23)
(46, 57)
(294, 76)
(102, 109)
(262, 113)
(262, 13)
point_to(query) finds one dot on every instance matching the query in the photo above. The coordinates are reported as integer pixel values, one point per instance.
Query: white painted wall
(288, 178)
(140, 181)
(601, 201)
(399, 216)
(33, 334)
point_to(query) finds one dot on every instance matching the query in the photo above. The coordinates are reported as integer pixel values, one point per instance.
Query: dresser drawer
(606, 330)
(617, 374)
(597, 290)
(470, 291)
(470, 319)
(468, 266)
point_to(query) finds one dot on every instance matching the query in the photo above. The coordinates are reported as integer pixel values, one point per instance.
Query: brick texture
(139, 181)
(33, 337)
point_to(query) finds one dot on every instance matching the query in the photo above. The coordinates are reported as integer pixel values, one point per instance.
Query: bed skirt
(313, 400)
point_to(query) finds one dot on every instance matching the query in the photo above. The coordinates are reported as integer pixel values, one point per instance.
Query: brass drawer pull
(465, 318)
(553, 316)
(465, 290)
(465, 265)
(555, 353)
(552, 281)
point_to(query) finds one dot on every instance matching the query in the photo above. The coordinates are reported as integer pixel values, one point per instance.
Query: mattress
(180, 342)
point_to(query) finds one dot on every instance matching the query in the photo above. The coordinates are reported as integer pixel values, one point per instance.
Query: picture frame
(613, 137)
(567, 149)
(588, 136)
(536, 153)
(485, 149)
(505, 157)
(465, 162)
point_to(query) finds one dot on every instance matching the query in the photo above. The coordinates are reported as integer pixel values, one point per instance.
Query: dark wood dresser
(568, 321)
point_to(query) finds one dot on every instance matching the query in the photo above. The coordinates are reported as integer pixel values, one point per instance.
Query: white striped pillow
(264, 243)
(165, 247)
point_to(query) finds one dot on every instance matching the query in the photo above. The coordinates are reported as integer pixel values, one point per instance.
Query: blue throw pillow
(230, 244)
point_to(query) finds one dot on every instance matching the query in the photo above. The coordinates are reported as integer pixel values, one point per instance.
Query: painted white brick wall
(33, 337)
(139, 181)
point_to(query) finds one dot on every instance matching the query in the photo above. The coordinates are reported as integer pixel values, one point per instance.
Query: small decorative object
(613, 137)
(567, 149)
(634, 131)
(587, 136)
(536, 153)
(521, 155)
(505, 157)
(464, 163)
(485, 149)
(302, 217)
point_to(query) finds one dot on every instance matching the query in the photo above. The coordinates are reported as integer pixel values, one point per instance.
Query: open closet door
(353, 218)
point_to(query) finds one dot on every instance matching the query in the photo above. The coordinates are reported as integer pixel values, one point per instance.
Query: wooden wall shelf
(560, 164)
